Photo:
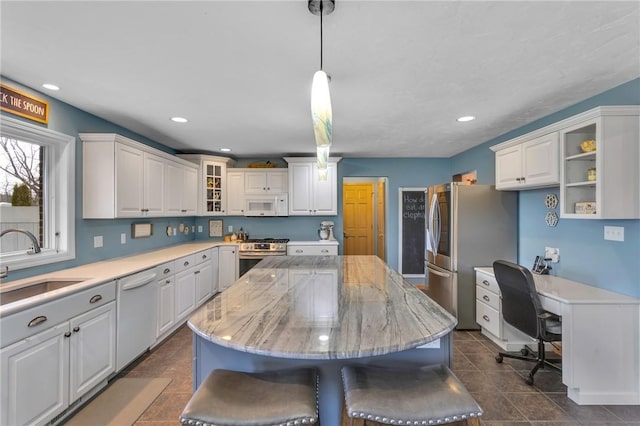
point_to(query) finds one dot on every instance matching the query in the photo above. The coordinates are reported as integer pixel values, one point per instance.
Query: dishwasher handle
(139, 282)
(438, 273)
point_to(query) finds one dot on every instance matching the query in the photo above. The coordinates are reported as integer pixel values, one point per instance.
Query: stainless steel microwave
(267, 205)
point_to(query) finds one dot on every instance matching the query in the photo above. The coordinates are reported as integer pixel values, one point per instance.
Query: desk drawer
(488, 318)
(485, 296)
(551, 305)
(487, 281)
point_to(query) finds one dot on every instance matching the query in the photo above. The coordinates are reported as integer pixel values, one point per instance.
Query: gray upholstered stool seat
(233, 398)
(413, 396)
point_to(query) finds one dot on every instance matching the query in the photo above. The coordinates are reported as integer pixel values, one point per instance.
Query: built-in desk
(600, 340)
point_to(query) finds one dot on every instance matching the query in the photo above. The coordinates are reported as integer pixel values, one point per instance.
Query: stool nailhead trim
(436, 421)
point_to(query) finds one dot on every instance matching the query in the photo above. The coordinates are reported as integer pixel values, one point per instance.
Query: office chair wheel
(529, 380)
(499, 359)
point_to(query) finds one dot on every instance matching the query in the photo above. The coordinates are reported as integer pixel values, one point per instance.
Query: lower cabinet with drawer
(489, 313)
(312, 248)
(53, 362)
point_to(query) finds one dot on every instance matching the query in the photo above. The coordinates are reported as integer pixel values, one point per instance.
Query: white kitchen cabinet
(185, 288)
(123, 178)
(527, 163)
(205, 280)
(212, 183)
(489, 315)
(266, 181)
(613, 190)
(93, 348)
(181, 192)
(47, 368)
(228, 266)
(166, 299)
(312, 248)
(308, 195)
(235, 193)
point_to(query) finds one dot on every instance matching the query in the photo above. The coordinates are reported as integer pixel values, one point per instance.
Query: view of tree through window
(21, 186)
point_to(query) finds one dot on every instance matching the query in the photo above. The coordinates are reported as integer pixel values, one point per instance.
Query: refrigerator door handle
(438, 273)
(432, 231)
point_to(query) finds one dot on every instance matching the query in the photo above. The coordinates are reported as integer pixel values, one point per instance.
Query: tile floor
(499, 388)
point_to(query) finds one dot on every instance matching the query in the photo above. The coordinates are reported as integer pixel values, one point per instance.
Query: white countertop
(92, 274)
(572, 292)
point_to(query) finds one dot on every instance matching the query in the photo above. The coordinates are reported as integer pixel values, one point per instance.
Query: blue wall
(584, 255)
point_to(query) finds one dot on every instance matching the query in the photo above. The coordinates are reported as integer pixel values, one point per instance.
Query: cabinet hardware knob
(485, 282)
(37, 320)
(67, 334)
(485, 297)
(95, 298)
(186, 263)
(167, 282)
(166, 271)
(486, 318)
(76, 329)
(204, 256)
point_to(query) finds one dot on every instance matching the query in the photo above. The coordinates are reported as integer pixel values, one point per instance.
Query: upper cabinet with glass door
(212, 185)
(599, 176)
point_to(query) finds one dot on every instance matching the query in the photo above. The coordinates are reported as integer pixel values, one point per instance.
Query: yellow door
(358, 212)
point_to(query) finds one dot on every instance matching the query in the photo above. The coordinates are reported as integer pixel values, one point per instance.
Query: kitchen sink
(35, 289)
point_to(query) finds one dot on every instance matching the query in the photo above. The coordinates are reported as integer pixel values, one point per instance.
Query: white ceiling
(241, 71)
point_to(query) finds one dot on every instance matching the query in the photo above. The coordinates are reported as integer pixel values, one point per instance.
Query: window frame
(58, 194)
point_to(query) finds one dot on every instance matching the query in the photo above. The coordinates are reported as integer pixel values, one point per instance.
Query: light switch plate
(614, 233)
(552, 253)
(97, 241)
(123, 238)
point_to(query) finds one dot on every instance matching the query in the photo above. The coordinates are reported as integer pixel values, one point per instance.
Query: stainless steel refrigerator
(466, 226)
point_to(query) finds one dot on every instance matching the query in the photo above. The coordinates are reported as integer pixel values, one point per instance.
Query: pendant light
(320, 97)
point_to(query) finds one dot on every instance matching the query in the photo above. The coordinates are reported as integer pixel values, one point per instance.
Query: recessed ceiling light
(179, 119)
(225, 149)
(466, 118)
(50, 86)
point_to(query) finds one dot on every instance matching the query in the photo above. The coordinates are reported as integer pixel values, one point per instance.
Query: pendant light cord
(321, 13)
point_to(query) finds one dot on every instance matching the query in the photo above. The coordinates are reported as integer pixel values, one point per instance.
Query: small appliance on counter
(326, 230)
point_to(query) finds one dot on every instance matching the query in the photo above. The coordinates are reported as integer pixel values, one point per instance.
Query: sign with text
(24, 105)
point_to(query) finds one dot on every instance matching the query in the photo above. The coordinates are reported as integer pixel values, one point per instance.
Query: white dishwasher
(136, 302)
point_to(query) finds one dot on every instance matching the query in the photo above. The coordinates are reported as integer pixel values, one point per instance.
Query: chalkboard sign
(412, 231)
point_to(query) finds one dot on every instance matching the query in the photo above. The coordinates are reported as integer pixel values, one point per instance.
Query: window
(40, 164)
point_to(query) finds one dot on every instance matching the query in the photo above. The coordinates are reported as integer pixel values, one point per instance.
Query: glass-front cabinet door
(214, 178)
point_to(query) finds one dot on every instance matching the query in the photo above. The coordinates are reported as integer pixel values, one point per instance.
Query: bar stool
(272, 398)
(429, 395)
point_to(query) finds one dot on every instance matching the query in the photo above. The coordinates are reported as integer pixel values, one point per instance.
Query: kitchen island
(321, 311)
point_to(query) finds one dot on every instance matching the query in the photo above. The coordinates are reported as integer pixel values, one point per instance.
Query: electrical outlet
(199, 228)
(552, 253)
(181, 227)
(97, 241)
(230, 228)
(614, 233)
(123, 238)
(169, 231)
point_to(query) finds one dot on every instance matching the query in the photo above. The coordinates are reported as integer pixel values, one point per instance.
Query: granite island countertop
(321, 307)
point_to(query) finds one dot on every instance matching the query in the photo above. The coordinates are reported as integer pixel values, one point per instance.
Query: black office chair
(521, 309)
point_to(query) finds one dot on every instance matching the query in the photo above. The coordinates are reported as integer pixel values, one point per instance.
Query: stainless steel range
(252, 251)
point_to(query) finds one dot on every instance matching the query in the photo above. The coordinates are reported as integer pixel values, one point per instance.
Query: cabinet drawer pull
(166, 271)
(204, 256)
(67, 334)
(196, 272)
(186, 263)
(76, 329)
(485, 297)
(325, 251)
(299, 251)
(167, 282)
(95, 298)
(485, 282)
(486, 318)
(37, 320)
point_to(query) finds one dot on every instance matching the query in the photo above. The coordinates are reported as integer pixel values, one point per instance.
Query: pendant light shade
(321, 114)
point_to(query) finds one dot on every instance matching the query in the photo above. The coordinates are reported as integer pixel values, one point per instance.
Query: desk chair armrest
(548, 316)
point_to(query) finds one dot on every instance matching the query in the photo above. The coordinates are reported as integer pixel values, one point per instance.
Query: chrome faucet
(34, 240)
